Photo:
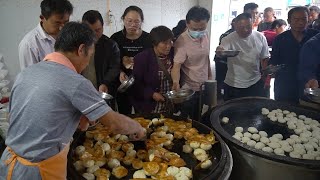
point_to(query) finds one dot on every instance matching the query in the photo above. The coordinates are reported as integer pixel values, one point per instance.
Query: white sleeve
(225, 43)
(27, 55)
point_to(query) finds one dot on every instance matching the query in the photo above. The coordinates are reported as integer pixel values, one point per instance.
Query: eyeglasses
(132, 22)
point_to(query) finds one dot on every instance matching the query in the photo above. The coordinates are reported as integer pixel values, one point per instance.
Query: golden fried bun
(120, 172)
(151, 168)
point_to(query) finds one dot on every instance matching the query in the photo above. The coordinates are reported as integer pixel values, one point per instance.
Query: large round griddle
(246, 112)
(218, 152)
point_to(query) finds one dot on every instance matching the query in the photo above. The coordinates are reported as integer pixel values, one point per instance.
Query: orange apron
(55, 167)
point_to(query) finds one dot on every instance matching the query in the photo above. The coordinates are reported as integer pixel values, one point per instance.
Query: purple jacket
(145, 71)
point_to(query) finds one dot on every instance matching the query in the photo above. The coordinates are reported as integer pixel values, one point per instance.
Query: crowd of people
(66, 64)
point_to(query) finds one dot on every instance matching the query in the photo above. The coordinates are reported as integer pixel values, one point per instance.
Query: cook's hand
(313, 83)
(123, 76)
(121, 124)
(158, 97)
(127, 62)
(140, 135)
(175, 86)
(103, 88)
(84, 123)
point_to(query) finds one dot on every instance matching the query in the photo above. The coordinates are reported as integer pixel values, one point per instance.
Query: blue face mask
(197, 34)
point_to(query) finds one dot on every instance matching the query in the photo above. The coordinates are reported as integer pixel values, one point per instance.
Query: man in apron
(47, 101)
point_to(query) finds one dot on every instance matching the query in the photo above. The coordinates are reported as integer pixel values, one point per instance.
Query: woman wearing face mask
(151, 70)
(192, 58)
(131, 40)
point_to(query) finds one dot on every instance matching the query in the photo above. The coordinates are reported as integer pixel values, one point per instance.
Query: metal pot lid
(106, 96)
(126, 84)
(313, 94)
(246, 112)
(180, 95)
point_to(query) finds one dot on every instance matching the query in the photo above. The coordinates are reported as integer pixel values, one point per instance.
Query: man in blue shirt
(309, 66)
(286, 50)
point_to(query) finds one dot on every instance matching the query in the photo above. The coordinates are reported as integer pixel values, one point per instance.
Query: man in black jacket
(104, 69)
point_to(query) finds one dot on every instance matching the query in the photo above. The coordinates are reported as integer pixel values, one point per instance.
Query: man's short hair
(197, 14)
(268, 9)
(315, 9)
(160, 34)
(250, 6)
(243, 16)
(92, 16)
(298, 9)
(72, 35)
(49, 7)
(278, 23)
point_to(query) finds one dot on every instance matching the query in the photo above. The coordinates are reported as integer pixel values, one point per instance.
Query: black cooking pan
(246, 112)
(218, 152)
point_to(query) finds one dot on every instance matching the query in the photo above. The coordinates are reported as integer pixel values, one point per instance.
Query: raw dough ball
(139, 174)
(302, 117)
(252, 130)
(187, 149)
(267, 149)
(255, 137)
(273, 118)
(251, 143)
(292, 126)
(308, 147)
(264, 140)
(194, 144)
(287, 148)
(239, 129)
(172, 170)
(298, 131)
(274, 139)
(294, 155)
(225, 120)
(206, 164)
(88, 176)
(308, 156)
(286, 112)
(274, 145)
(279, 136)
(259, 145)
(245, 139)
(279, 151)
(239, 134)
(263, 134)
(281, 120)
(247, 134)
(80, 150)
(92, 169)
(237, 137)
(265, 111)
(205, 146)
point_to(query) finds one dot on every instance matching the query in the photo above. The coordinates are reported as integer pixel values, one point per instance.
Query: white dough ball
(225, 120)
(273, 118)
(274, 145)
(251, 143)
(286, 112)
(308, 147)
(255, 137)
(259, 145)
(274, 139)
(304, 140)
(80, 150)
(199, 151)
(113, 163)
(239, 134)
(292, 126)
(294, 154)
(279, 151)
(206, 164)
(298, 131)
(302, 117)
(279, 136)
(237, 137)
(78, 165)
(172, 170)
(283, 143)
(287, 148)
(139, 174)
(205, 146)
(264, 140)
(88, 176)
(252, 130)
(263, 134)
(308, 156)
(92, 169)
(264, 111)
(186, 171)
(188, 149)
(239, 129)
(194, 144)
(267, 149)
(281, 120)
(247, 134)
(245, 139)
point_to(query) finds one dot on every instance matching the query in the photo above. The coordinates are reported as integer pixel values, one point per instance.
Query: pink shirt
(193, 55)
